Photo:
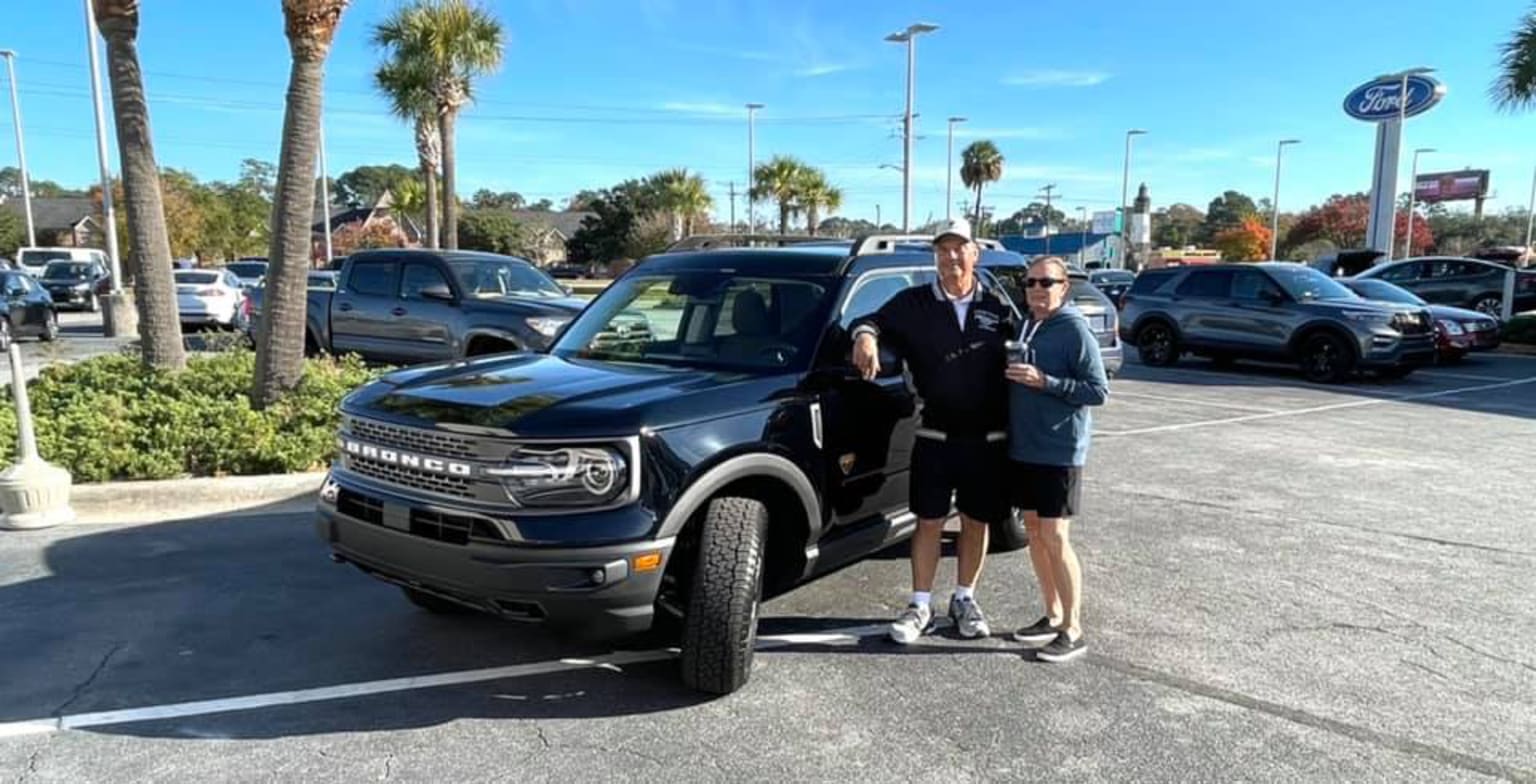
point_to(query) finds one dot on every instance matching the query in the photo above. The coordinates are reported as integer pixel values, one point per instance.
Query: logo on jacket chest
(986, 320)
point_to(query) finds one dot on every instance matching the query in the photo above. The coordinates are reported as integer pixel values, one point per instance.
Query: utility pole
(751, 165)
(733, 206)
(1047, 193)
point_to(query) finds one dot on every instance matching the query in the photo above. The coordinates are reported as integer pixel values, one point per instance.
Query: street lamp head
(921, 27)
(957, 119)
(754, 106)
(1284, 142)
(912, 31)
(1135, 132)
(1425, 149)
(7, 53)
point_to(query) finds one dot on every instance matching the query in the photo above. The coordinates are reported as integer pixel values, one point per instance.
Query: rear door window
(1209, 284)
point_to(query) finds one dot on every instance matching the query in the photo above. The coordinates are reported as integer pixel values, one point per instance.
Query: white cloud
(1056, 78)
(714, 109)
(826, 69)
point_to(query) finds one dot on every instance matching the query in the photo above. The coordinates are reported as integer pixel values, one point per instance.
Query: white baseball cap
(959, 227)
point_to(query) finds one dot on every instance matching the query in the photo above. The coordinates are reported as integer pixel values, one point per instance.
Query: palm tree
(981, 164)
(311, 24)
(780, 180)
(817, 195)
(681, 195)
(1515, 88)
(410, 98)
(453, 42)
(159, 324)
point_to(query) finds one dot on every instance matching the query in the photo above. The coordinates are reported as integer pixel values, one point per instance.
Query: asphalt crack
(86, 684)
(1486, 654)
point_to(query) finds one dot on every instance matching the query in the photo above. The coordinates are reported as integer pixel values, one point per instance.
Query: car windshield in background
(67, 270)
(1306, 284)
(702, 319)
(197, 278)
(37, 258)
(247, 270)
(497, 278)
(1383, 291)
(1111, 276)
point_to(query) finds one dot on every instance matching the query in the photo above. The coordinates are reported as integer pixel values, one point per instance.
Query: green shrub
(109, 418)
(1521, 329)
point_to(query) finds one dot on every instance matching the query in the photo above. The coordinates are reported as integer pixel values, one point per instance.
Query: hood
(554, 306)
(1337, 306)
(540, 395)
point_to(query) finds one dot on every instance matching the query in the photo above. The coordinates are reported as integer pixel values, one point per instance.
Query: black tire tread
(720, 631)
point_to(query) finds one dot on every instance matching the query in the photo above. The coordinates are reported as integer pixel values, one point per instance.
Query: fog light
(598, 576)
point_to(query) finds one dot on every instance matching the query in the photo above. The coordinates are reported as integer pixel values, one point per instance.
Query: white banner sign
(1104, 222)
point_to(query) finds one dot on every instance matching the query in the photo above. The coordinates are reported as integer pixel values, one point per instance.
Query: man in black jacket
(951, 334)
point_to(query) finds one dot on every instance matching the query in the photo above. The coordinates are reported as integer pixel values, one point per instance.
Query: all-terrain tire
(720, 630)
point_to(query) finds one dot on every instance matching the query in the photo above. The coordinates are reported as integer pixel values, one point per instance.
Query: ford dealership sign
(1380, 100)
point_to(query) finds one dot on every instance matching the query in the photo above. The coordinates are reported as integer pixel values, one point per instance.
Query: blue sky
(595, 91)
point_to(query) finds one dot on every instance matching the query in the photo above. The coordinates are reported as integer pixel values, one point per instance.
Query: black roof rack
(711, 241)
(870, 244)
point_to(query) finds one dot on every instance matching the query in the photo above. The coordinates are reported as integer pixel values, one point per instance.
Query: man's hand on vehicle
(866, 355)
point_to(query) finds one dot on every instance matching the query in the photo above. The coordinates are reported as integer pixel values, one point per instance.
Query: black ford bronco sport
(694, 441)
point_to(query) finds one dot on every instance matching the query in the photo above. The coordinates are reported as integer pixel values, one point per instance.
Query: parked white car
(34, 260)
(211, 297)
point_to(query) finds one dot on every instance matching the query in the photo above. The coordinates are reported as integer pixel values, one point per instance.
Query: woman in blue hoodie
(1057, 375)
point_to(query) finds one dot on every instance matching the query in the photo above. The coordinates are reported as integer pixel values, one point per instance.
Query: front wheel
(51, 327)
(1490, 305)
(720, 630)
(1326, 359)
(1157, 345)
(5, 333)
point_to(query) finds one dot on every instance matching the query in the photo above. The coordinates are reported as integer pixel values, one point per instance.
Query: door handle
(345, 306)
(398, 312)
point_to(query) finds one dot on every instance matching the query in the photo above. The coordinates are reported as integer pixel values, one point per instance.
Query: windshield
(248, 269)
(703, 319)
(68, 270)
(503, 278)
(1113, 276)
(37, 258)
(1307, 284)
(1383, 291)
(197, 278)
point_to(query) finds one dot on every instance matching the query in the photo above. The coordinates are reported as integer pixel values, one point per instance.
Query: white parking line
(1315, 409)
(615, 662)
(1184, 401)
(1461, 376)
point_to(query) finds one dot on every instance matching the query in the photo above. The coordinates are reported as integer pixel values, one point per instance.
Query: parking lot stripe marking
(1184, 401)
(1319, 409)
(613, 661)
(1460, 376)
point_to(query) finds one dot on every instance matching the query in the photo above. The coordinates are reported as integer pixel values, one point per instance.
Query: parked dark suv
(1460, 283)
(695, 440)
(1272, 311)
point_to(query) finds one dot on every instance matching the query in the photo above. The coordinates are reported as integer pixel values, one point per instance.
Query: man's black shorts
(967, 472)
(1052, 492)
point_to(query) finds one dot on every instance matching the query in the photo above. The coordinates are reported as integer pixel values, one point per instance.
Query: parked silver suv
(1272, 311)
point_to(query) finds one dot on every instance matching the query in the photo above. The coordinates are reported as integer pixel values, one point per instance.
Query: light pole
(1125, 188)
(21, 147)
(1530, 215)
(103, 159)
(879, 223)
(1082, 240)
(949, 174)
(908, 37)
(325, 195)
(1274, 204)
(752, 167)
(1413, 192)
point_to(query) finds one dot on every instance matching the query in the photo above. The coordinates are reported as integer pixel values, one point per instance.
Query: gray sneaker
(968, 618)
(914, 622)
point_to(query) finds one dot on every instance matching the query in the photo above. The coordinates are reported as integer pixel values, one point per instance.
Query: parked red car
(1457, 331)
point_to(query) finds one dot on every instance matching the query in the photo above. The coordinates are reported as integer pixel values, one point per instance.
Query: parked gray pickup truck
(412, 306)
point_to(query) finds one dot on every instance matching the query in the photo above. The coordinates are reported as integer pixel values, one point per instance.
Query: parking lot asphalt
(1284, 581)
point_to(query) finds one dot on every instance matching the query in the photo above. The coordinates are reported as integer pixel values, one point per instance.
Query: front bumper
(1389, 351)
(69, 298)
(593, 591)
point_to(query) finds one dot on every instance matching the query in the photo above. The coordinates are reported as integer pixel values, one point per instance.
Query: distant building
(551, 231)
(1079, 249)
(408, 233)
(66, 221)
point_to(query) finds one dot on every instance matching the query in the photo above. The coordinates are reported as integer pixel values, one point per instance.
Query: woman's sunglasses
(1043, 283)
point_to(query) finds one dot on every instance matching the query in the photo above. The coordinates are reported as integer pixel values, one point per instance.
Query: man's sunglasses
(1043, 283)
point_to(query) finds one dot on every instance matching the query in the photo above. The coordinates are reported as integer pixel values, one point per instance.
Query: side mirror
(439, 292)
(1274, 297)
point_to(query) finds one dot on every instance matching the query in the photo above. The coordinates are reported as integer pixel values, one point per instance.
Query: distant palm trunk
(450, 232)
(426, 153)
(159, 322)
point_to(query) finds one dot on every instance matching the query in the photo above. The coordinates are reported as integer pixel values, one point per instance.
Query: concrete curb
(180, 499)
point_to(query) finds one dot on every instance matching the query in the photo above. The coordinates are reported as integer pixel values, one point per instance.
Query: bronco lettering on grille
(406, 459)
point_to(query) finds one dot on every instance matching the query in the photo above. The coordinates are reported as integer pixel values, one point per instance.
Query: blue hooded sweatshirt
(1051, 426)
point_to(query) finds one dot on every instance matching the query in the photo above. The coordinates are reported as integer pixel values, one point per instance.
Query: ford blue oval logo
(1380, 100)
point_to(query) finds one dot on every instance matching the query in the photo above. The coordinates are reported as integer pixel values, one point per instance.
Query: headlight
(1367, 315)
(564, 476)
(1451, 327)
(547, 325)
(81, 287)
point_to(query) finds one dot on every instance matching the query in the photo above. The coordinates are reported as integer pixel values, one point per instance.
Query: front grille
(451, 528)
(410, 477)
(412, 440)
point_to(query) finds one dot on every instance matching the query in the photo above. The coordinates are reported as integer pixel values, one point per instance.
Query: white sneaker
(914, 622)
(969, 621)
